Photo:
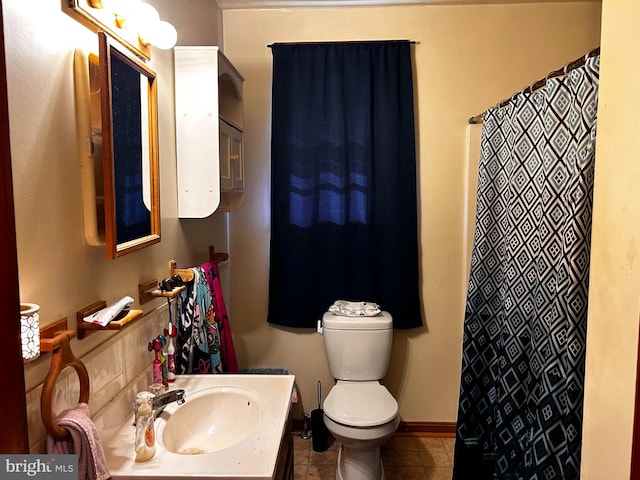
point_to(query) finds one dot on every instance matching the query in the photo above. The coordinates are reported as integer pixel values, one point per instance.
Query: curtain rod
(542, 82)
(413, 42)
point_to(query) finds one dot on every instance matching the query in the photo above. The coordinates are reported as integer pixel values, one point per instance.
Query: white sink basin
(231, 426)
(211, 420)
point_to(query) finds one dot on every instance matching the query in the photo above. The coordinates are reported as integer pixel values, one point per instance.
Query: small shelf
(122, 320)
(148, 291)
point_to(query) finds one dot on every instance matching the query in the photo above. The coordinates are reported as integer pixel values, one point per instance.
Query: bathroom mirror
(129, 137)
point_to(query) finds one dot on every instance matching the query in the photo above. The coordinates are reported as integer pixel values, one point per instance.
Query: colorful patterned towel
(198, 340)
(229, 361)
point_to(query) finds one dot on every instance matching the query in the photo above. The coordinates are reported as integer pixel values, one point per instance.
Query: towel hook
(61, 357)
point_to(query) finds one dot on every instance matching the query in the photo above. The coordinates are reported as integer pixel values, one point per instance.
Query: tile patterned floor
(404, 458)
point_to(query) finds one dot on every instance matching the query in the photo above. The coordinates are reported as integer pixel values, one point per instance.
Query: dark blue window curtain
(343, 181)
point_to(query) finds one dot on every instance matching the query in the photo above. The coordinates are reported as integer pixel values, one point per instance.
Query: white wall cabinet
(209, 122)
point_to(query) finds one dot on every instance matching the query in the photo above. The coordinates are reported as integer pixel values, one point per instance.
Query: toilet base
(355, 464)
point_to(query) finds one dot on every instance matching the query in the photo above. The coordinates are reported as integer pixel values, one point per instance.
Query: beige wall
(57, 269)
(467, 58)
(614, 298)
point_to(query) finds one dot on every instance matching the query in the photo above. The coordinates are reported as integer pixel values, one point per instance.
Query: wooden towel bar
(149, 290)
(187, 274)
(61, 357)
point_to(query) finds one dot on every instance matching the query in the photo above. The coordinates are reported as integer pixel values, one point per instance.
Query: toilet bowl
(361, 416)
(359, 412)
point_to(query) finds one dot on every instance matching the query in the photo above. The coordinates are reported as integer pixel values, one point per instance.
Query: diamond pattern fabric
(520, 410)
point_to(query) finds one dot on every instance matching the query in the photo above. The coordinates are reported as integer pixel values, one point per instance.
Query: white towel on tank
(354, 309)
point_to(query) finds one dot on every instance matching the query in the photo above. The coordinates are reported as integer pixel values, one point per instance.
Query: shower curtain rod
(541, 83)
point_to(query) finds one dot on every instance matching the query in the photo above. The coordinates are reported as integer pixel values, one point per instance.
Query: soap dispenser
(145, 441)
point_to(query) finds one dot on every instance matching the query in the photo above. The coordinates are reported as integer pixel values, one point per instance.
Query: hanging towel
(227, 351)
(83, 441)
(198, 340)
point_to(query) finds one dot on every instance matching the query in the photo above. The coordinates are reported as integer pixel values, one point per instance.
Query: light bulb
(143, 19)
(164, 36)
(142, 13)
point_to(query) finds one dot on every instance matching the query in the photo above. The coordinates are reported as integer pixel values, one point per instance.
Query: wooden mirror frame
(109, 49)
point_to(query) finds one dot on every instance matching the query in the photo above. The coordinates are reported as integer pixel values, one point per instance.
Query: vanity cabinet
(209, 124)
(284, 462)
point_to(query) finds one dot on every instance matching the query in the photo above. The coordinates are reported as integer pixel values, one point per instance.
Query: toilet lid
(360, 404)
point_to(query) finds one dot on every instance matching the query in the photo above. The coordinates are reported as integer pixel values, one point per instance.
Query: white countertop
(254, 457)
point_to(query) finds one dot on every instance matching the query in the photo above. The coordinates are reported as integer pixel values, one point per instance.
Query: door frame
(13, 404)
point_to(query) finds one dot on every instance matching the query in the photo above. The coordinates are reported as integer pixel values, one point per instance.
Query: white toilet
(359, 412)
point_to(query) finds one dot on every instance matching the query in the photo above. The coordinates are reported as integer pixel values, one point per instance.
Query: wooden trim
(96, 21)
(426, 429)
(13, 406)
(284, 461)
(635, 445)
(409, 429)
(110, 49)
(61, 358)
(52, 335)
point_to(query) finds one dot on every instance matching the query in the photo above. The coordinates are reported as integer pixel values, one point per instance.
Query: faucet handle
(181, 396)
(157, 388)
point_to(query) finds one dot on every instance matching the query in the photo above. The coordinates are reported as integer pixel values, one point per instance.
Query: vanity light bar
(136, 25)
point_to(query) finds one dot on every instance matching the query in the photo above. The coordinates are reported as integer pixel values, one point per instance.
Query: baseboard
(408, 429)
(426, 429)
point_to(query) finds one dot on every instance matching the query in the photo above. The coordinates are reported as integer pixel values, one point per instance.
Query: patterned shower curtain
(520, 409)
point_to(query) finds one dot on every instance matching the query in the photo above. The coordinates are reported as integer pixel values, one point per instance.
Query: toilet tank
(357, 348)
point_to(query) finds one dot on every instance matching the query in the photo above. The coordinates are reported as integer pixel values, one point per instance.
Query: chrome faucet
(162, 400)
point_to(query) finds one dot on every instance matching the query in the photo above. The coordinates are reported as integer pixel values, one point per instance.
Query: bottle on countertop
(145, 440)
(162, 354)
(171, 351)
(155, 345)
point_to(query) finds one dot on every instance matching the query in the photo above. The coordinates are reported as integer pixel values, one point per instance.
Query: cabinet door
(225, 155)
(196, 76)
(236, 161)
(231, 160)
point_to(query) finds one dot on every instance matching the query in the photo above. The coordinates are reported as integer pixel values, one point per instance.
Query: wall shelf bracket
(148, 291)
(122, 320)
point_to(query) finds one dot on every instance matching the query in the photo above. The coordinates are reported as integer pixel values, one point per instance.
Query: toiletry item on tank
(145, 440)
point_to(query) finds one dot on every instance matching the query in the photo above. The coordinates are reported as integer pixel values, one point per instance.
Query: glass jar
(145, 441)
